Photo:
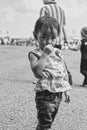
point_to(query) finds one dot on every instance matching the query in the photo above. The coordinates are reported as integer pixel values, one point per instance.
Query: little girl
(48, 67)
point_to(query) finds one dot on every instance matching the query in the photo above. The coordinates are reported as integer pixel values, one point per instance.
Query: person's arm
(74, 47)
(64, 28)
(65, 34)
(43, 11)
(38, 65)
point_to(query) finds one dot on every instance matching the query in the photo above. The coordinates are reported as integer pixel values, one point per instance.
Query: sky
(18, 17)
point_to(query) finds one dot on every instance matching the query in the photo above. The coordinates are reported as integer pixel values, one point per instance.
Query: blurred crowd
(17, 41)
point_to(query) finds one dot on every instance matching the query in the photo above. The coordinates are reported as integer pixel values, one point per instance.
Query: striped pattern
(55, 11)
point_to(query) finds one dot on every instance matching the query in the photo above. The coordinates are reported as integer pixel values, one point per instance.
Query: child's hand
(48, 49)
(67, 96)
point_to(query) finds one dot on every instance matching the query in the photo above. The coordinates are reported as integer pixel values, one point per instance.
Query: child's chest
(54, 60)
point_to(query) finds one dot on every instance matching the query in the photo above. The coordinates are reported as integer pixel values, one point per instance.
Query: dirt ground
(17, 105)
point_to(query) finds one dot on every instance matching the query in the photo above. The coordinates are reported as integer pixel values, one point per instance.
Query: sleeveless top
(54, 76)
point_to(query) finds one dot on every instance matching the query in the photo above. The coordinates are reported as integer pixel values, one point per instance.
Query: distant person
(82, 46)
(52, 9)
(48, 67)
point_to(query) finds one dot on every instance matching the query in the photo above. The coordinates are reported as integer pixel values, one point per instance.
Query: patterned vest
(54, 75)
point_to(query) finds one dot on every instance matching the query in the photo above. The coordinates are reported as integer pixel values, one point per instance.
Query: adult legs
(85, 80)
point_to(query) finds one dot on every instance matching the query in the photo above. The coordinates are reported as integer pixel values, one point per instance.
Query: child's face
(46, 37)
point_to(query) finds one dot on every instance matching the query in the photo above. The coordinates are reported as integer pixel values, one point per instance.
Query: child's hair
(43, 23)
(84, 33)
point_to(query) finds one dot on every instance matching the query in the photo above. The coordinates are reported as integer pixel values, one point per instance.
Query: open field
(17, 106)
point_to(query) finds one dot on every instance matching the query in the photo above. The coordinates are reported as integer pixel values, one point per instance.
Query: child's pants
(47, 105)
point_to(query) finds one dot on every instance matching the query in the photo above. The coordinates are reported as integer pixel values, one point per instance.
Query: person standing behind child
(82, 46)
(51, 9)
(48, 67)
